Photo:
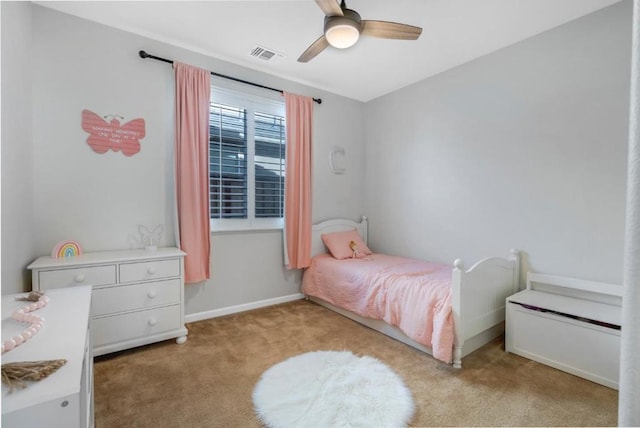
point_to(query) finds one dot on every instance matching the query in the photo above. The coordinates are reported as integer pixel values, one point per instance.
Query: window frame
(252, 104)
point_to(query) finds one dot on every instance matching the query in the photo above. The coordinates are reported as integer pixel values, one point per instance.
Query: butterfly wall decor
(112, 135)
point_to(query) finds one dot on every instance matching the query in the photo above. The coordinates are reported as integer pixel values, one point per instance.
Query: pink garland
(35, 323)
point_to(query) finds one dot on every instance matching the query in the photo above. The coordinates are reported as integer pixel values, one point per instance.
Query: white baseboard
(199, 316)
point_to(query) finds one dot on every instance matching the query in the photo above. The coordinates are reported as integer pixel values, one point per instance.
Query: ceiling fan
(343, 27)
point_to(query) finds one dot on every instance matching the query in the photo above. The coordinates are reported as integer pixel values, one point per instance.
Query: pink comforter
(413, 295)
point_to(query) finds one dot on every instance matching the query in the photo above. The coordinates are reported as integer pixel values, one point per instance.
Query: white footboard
(479, 293)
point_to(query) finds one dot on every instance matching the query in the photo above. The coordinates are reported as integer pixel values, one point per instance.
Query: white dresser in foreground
(65, 397)
(138, 295)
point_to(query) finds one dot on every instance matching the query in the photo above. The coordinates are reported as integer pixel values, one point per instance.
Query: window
(246, 161)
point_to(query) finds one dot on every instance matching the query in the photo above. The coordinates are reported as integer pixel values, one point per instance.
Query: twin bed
(443, 310)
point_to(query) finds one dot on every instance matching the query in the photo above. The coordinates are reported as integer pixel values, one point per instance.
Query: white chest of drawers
(138, 296)
(65, 397)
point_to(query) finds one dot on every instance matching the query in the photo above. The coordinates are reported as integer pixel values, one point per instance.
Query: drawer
(109, 300)
(93, 275)
(155, 269)
(132, 325)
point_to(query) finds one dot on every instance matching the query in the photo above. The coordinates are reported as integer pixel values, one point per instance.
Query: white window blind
(228, 161)
(246, 161)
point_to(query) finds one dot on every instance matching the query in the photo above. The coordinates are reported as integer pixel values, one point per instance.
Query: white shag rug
(332, 389)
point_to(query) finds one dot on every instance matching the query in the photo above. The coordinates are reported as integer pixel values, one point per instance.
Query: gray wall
(525, 147)
(99, 199)
(17, 147)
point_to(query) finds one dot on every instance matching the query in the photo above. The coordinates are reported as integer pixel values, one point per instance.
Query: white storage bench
(570, 324)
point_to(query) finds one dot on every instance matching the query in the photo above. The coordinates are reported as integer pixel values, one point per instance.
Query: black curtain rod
(143, 55)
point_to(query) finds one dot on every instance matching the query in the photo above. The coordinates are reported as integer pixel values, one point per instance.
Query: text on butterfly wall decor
(111, 135)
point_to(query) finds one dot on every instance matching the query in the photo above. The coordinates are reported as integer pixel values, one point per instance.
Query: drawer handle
(79, 277)
(151, 270)
(151, 294)
(153, 321)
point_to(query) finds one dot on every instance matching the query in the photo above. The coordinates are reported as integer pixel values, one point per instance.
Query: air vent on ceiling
(265, 54)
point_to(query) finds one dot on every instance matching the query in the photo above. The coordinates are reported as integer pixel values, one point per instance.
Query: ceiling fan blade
(330, 7)
(313, 50)
(389, 30)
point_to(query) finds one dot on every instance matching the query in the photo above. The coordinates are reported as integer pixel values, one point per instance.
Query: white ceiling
(454, 32)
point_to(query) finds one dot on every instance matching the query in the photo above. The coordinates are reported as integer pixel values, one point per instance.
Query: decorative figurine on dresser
(138, 295)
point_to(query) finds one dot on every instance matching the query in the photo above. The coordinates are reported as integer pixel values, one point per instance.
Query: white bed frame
(478, 295)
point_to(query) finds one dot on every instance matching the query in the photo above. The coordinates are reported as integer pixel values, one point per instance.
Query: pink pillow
(339, 244)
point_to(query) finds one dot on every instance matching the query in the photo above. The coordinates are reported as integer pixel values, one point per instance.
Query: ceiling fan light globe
(342, 31)
(342, 36)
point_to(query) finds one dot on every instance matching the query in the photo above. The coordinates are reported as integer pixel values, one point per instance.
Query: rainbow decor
(66, 249)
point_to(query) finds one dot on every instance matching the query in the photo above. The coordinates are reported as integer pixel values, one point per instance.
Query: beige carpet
(208, 381)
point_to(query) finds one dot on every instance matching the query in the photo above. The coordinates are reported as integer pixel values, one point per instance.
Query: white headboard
(335, 225)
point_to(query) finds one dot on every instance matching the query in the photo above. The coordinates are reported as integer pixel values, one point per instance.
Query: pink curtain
(297, 220)
(193, 87)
